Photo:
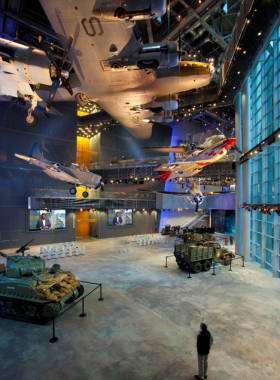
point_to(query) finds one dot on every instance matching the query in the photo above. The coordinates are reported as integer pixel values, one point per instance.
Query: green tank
(29, 291)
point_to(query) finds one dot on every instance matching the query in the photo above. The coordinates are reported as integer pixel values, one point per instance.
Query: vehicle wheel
(206, 265)
(81, 290)
(81, 99)
(183, 265)
(226, 260)
(31, 120)
(121, 13)
(51, 310)
(115, 66)
(85, 194)
(152, 64)
(197, 267)
(72, 191)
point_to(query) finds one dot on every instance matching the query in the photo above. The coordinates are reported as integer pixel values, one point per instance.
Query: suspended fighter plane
(136, 83)
(192, 192)
(195, 162)
(72, 174)
(187, 148)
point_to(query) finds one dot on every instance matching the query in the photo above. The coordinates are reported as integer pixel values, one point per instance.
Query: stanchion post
(100, 298)
(243, 262)
(166, 262)
(230, 270)
(54, 338)
(83, 309)
(213, 274)
(189, 276)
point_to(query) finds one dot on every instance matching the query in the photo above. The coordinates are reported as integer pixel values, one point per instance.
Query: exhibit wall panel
(56, 138)
(143, 222)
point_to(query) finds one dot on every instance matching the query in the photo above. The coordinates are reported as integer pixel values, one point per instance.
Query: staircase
(195, 219)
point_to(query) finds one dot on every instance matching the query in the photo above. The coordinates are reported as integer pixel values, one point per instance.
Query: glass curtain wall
(265, 177)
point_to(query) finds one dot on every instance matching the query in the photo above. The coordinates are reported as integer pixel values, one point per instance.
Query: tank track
(38, 320)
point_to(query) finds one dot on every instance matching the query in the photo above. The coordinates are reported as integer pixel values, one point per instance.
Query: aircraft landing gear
(31, 119)
(73, 191)
(85, 194)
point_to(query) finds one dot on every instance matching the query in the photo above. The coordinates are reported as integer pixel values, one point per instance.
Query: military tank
(30, 291)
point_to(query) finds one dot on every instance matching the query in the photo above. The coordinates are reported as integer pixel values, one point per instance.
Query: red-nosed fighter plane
(196, 161)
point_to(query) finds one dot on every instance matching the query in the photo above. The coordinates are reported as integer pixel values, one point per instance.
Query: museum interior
(139, 189)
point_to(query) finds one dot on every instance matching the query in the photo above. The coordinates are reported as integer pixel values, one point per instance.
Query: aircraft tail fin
(35, 153)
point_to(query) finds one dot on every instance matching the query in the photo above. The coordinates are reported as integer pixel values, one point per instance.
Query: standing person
(117, 219)
(204, 343)
(231, 240)
(43, 223)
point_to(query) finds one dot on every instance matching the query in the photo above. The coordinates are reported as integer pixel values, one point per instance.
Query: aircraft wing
(97, 40)
(50, 169)
(166, 149)
(178, 166)
(185, 149)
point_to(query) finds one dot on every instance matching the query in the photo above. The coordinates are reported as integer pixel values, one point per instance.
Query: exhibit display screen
(51, 220)
(119, 217)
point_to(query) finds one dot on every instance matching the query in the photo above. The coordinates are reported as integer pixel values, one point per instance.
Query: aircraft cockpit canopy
(74, 166)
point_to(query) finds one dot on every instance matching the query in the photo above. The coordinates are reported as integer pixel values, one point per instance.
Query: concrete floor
(147, 325)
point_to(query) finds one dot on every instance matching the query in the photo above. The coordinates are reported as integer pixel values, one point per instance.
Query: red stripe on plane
(206, 163)
(165, 176)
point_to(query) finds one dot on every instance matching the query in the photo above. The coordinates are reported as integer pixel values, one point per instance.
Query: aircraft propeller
(192, 144)
(57, 73)
(228, 141)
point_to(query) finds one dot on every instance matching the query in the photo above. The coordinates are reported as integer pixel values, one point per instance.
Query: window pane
(269, 243)
(270, 229)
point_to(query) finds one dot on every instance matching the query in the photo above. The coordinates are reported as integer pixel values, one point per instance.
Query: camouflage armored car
(196, 252)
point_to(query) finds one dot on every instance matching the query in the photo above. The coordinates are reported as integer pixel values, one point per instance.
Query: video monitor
(42, 220)
(119, 217)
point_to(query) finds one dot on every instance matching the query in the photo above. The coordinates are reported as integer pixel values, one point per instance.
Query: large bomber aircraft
(137, 84)
(72, 174)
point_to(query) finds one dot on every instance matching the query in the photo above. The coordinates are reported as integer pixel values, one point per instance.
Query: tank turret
(18, 266)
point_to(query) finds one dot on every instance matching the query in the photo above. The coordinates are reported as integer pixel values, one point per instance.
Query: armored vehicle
(165, 229)
(195, 253)
(29, 291)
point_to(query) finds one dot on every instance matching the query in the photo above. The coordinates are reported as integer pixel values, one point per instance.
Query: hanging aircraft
(192, 192)
(137, 84)
(72, 174)
(195, 162)
(187, 148)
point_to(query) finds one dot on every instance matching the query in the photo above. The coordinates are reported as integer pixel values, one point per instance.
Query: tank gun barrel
(3, 254)
(24, 248)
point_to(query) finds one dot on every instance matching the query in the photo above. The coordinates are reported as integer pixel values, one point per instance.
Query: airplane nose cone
(232, 141)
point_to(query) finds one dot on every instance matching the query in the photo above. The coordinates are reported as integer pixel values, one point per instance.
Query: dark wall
(56, 137)
(119, 142)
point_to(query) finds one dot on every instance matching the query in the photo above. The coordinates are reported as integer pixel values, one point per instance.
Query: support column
(238, 188)
(246, 169)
